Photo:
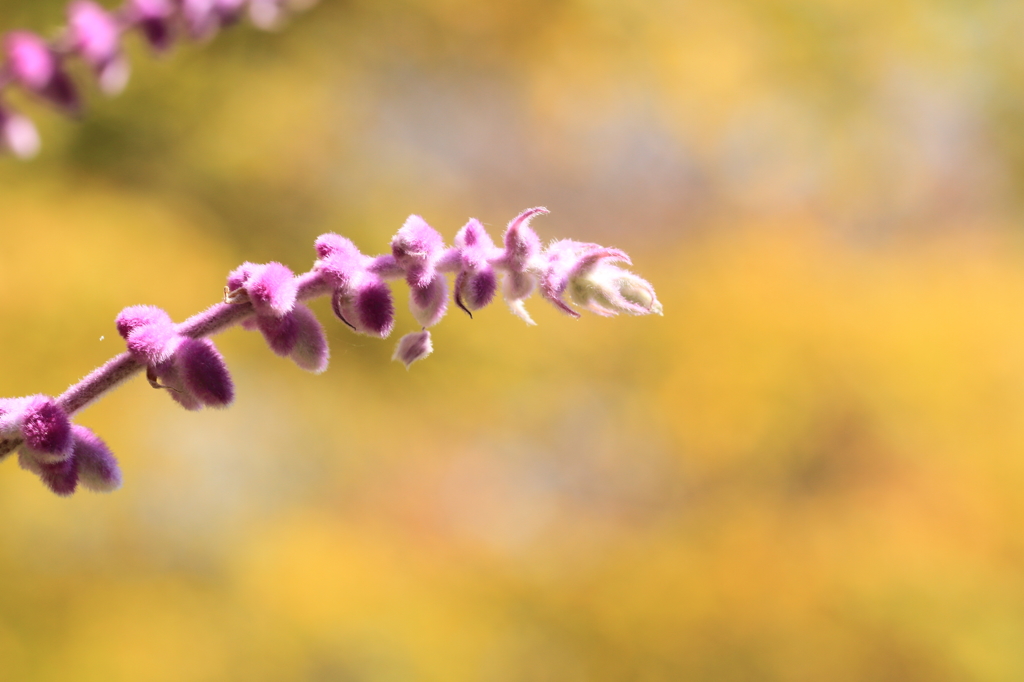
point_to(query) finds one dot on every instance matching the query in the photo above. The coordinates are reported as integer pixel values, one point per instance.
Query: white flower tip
(518, 309)
(19, 135)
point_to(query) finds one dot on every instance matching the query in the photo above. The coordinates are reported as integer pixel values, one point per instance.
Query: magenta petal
(311, 352)
(281, 333)
(429, 303)
(46, 429)
(204, 373)
(97, 467)
(413, 347)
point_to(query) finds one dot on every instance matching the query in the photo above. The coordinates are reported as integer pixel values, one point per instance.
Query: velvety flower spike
(269, 297)
(93, 35)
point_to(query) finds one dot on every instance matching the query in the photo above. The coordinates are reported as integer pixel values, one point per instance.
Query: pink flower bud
(339, 260)
(429, 303)
(281, 333)
(96, 37)
(368, 308)
(417, 247)
(149, 332)
(46, 430)
(271, 288)
(153, 17)
(413, 347)
(97, 468)
(476, 282)
(204, 373)
(18, 134)
(521, 242)
(30, 60)
(33, 64)
(310, 352)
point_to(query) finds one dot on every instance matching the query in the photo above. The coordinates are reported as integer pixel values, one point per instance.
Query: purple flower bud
(167, 375)
(133, 317)
(521, 242)
(204, 373)
(368, 308)
(413, 347)
(153, 17)
(229, 11)
(46, 430)
(339, 260)
(310, 352)
(271, 288)
(429, 303)
(29, 60)
(97, 468)
(96, 37)
(33, 64)
(266, 14)
(149, 332)
(281, 333)
(18, 134)
(61, 477)
(417, 247)
(475, 290)
(476, 282)
(200, 17)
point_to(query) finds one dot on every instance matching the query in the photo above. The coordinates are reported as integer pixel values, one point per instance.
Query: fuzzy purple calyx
(96, 465)
(412, 347)
(429, 303)
(417, 247)
(271, 287)
(149, 333)
(204, 373)
(310, 352)
(46, 429)
(367, 307)
(153, 18)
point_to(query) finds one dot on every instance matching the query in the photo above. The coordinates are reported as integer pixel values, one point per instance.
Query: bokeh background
(809, 469)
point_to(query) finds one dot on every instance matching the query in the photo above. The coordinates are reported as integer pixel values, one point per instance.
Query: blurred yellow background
(810, 469)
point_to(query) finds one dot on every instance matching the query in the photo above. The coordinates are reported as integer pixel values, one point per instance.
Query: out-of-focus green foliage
(808, 470)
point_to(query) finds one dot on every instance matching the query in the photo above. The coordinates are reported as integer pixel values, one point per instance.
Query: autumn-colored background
(811, 468)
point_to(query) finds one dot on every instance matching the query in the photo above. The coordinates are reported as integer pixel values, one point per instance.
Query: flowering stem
(269, 298)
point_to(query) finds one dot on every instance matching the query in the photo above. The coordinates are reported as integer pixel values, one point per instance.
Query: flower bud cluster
(268, 298)
(93, 35)
(62, 454)
(290, 328)
(192, 370)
